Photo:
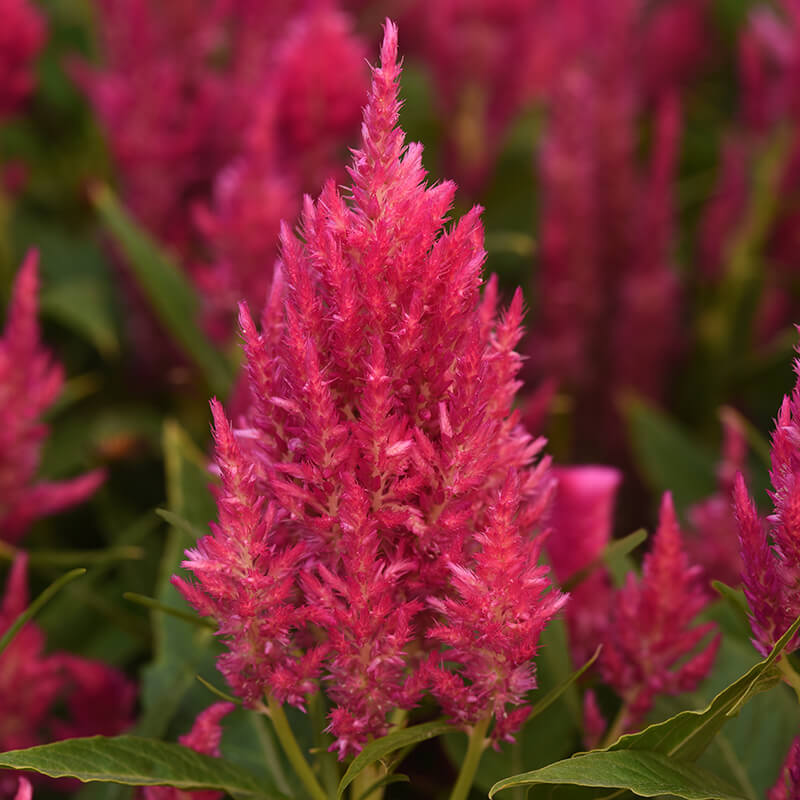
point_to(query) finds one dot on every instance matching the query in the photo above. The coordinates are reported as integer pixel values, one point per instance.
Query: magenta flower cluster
(380, 501)
(47, 696)
(650, 641)
(770, 548)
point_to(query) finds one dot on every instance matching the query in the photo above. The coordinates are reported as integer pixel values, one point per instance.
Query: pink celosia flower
(30, 382)
(650, 644)
(787, 787)
(204, 737)
(771, 548)
(368, 494)
(51, 696)
(714, 541)
(317, 109)
(608, 318)
(581, 522)
(491, 627)
(22, 35)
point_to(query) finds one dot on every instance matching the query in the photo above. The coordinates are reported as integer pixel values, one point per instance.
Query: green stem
(617, 727)
(790, 675)
(293, 751)
(477, 744)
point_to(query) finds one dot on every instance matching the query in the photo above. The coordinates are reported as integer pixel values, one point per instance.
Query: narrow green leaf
(171, 295)
(179, 522)
(645, 773)
(734, 598)
(380, 748)
(149, 602)
(37, 604)
(136, 761)
(556, 692)
(616, 550)
(666, 455)
(218, 692)
(68, 558)
(689, 733)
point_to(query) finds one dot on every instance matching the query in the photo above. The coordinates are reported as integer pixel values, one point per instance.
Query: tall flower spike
(771, 548)
(30, 382)
(379, 437)
(651, 645)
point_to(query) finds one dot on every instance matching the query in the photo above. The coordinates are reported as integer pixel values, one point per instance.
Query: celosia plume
(651, 645)
(22, 35)
(770, 548)
(54, 695)
(30, 382)
(381, 483)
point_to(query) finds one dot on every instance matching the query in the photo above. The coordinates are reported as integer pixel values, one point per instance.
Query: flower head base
(771, 548)
(30, 382)
(368, 494)
(650, 633)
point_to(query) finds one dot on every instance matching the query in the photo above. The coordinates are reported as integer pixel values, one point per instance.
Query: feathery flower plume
(608, 320)
(55, 695)
(30, 382)
(24, 790)
(581, 522)
(650, 632)
(770, 548)
(204, 737)
(21, 37)
(381, 481)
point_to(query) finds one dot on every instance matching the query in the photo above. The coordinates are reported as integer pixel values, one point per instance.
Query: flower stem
(790, 675)
(292, 750)
(617, 727)
(477, 744)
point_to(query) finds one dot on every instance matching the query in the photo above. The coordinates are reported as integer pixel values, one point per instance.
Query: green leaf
(186, 616)
(380, 748)
(36, 605)
(170, 293)
(644, 773)
(689, 733)
(136, 761)
(667, 456)
(615, 551)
